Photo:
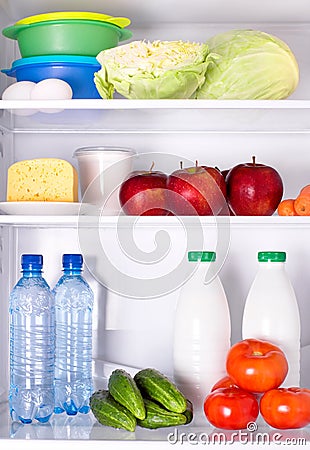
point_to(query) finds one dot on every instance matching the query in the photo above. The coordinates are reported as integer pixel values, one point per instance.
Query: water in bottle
(271, 311)
(202, 331)
(73, 366)
(32, 345)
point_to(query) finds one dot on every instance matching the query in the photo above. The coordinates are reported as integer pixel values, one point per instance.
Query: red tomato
(231, 408)
(286, 407)
(225, 382)
(256, 365)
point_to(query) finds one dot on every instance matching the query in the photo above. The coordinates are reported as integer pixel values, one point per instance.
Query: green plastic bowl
(66, 37)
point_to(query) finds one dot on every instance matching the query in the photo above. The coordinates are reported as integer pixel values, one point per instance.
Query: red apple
(225, 173)
(254, 189)
(143, 193)
(226, 211)
(198, 190)
(217, 175)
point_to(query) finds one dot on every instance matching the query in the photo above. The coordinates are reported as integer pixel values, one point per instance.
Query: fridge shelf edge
(155, 221)
(119, 104)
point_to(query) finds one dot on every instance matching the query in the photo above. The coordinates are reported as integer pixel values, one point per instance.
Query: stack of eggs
(59, 52)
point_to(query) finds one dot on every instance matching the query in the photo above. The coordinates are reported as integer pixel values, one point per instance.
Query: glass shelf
(156, 221)
(72, 431)
(156, 116)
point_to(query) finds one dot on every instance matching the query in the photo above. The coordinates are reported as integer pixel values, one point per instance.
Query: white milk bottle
(271, 311)
(202, 331)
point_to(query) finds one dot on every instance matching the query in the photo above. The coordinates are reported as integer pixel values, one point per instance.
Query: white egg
(21, 90)
(51, 89)
(18, 91)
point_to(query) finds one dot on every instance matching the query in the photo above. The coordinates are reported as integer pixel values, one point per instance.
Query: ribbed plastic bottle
(73, 366)
(202, 331)
(271, 311)
(32, 345)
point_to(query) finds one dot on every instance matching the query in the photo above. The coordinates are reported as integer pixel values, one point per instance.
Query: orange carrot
(302, 205)
(305, 190)
(286, 208)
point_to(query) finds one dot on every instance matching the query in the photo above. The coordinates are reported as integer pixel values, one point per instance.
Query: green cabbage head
(250, 65)
(152, 70)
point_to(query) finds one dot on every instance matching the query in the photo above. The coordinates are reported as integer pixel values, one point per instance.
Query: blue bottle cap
(72, 261)
(32, 262)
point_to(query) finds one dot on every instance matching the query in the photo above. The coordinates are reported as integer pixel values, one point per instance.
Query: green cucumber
(158, 417)
(188, 413)
(156, 386)
(109, 412)
(124, 390)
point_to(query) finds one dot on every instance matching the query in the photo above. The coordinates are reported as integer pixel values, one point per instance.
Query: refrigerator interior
(136, 266)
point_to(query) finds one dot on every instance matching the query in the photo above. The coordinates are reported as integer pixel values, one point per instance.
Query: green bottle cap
(201, 256)
(271, 256)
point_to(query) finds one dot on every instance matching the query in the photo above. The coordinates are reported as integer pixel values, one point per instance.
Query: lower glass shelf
(68, 431)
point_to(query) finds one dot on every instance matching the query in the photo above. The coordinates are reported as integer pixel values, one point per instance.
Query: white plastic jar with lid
(202, 331)
(271, 311)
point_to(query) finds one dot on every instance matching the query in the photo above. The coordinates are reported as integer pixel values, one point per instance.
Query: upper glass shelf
(156, 116)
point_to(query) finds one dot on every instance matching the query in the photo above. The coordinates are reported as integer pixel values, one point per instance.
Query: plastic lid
(271, 256)
(32, 262)
(86, 151)
(73, 15)
(58, 59)
(63, 15)
(201, 256)
(72, 261)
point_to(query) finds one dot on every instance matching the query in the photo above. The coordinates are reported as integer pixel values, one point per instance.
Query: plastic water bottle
(271, 311)
(32, 345)
(202, 331)
(73, 366)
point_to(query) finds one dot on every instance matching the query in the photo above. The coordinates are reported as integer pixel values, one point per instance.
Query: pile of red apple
(248, 189)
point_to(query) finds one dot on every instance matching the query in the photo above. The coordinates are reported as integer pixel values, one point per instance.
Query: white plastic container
(101, 172)
(271, 311)
(202, 331)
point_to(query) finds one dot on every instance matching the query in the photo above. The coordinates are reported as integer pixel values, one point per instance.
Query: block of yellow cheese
(42, 179)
